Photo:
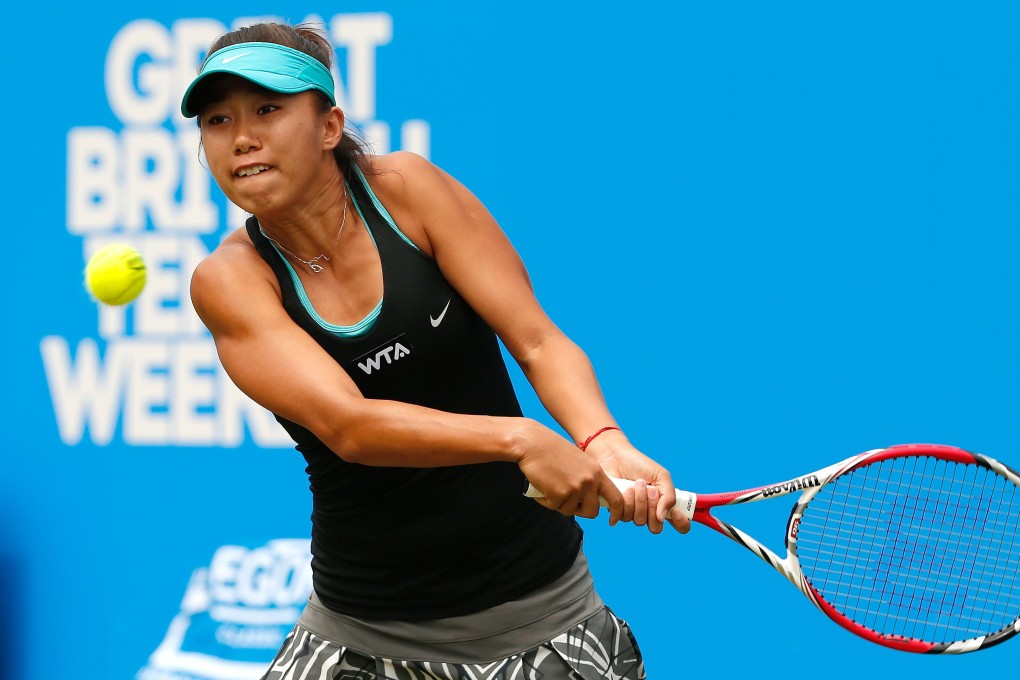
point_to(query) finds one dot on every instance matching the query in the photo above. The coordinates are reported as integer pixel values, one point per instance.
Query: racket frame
(698, 508)
(809, 485)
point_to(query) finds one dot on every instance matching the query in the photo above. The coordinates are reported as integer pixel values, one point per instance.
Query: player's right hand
(570, 482)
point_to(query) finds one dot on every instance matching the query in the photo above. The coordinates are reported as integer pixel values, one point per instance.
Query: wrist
(521, 439)
(600, 436)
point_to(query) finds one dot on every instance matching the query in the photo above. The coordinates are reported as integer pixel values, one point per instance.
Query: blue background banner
(784, 233)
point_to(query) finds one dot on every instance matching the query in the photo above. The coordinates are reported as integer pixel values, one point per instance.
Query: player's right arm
(278, 365)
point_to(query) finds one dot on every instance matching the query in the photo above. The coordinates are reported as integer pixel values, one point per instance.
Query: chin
(255, 205)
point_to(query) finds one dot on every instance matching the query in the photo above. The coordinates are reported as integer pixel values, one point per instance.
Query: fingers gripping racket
(914, 547)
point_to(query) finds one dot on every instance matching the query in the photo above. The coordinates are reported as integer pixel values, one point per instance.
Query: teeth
(254, 170)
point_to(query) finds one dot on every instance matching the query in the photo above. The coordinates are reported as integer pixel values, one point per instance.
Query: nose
(245, 138)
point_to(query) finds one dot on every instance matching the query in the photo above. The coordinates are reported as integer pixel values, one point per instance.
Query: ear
(332, 128)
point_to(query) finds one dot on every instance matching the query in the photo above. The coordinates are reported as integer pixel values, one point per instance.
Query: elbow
(530, 350)
(338, 428)
(342, 427)
(542, 349)
(345, 445)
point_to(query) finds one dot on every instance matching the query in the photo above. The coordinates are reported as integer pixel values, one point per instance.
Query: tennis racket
(913, 547)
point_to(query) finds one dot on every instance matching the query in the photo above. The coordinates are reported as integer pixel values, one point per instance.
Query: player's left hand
(650, 501)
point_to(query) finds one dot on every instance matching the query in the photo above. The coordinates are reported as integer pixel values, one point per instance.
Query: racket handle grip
(685, 500)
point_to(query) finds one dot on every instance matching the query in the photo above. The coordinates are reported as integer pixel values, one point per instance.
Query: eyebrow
(211, 94)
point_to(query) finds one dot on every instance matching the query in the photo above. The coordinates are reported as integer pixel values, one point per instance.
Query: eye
(267, 108)
(215, 119)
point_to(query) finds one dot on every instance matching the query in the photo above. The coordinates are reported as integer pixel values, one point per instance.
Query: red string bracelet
(584, 445)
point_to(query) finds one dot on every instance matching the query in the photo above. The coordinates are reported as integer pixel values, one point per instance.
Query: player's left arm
(450, 224)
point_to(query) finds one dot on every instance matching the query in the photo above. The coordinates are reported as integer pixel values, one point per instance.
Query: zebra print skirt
(599, 647)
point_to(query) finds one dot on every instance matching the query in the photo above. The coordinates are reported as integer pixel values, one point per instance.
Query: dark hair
(351, 152)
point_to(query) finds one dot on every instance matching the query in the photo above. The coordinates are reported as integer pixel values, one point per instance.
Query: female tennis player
(361, 304)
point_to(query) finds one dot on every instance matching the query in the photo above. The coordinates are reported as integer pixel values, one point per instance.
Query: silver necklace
(312, 263)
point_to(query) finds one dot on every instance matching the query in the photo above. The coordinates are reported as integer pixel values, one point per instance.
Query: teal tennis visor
(274, 67)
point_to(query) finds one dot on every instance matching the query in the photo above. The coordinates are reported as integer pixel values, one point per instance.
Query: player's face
(265, 150)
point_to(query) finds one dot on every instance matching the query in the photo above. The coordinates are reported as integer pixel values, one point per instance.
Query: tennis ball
(115, 274)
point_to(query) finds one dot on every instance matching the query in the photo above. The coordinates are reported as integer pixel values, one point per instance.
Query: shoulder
(416, 193)
(233, 262)
(421, 196)
(398, 161)
(404, 176)
(232, 270)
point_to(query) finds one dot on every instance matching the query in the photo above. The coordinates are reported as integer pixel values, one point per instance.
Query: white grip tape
(685, 500)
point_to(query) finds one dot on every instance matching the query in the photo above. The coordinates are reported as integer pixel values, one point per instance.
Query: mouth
(251, 170)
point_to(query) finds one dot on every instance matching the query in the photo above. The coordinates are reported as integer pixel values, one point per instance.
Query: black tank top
(418, 543)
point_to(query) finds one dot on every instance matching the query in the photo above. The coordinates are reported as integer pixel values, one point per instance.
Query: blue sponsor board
(235, 613)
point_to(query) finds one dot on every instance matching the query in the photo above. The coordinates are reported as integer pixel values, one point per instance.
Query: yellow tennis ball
(115, 275)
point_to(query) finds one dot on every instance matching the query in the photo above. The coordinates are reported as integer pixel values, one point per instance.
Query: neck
(310, 228)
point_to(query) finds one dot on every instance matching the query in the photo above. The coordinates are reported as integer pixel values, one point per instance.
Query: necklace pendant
(315, 267)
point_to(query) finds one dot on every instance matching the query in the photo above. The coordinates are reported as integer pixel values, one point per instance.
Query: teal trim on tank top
(354, 330)
(365, 325)
(381, 208)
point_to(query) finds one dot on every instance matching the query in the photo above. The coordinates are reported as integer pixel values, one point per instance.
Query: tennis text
(152, 375)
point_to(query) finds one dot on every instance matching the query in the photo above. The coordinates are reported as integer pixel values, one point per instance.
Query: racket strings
(916, 547)
(954, 535)
(912, 548)
(934, 588)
